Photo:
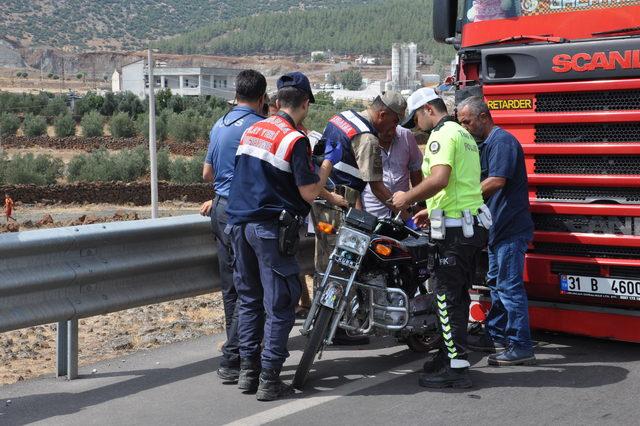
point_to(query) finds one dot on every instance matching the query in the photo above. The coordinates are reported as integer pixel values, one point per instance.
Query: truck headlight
(353, 241)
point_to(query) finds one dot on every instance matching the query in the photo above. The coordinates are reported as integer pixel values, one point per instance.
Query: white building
(184, 81)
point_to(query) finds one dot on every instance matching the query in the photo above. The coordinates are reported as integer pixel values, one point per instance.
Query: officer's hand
(400, 200)
(333, 151)
(421, 218)
(205, 208)
(338, 200)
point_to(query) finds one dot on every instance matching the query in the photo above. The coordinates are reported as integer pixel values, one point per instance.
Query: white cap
(418, 99)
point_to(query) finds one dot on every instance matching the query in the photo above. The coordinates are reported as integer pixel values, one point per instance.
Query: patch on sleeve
(434, 147)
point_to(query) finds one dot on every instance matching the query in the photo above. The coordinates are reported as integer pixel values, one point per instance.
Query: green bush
(121, 126)
(38, 170)
(9, 124)
(100, 166)
(184, 170)
(184, 127)
(92, 124)
(142, 125)
(89, 102)
(64, 125)
(56, 106)
(164, 164)
(34, 125)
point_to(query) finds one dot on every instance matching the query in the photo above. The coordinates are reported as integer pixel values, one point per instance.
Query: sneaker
(249, 375)
(271, 387)
(484, 343)
(457, 378)
(513, 356)
(228, 374)
(435, 362)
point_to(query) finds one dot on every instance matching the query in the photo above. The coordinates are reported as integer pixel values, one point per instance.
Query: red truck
(563, 76)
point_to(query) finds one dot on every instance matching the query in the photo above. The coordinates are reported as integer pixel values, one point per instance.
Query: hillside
(125, 23)
(362, 29)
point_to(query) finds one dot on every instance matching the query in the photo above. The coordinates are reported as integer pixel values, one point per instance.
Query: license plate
(616, 288)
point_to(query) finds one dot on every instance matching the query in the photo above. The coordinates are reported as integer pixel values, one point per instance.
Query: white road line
(304, 403)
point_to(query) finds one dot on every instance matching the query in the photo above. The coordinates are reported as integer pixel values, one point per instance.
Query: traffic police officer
(218, 168)
(274, 182)
(459, 222)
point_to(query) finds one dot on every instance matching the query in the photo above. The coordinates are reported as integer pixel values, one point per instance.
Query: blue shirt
(224, 139)
(501, 156)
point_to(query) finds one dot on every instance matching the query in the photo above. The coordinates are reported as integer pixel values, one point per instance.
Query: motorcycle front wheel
(317, 336)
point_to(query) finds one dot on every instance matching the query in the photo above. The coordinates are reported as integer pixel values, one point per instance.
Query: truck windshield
(484, 10)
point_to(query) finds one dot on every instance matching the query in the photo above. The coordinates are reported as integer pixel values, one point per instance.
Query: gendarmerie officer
(274, 182)
(459, 222)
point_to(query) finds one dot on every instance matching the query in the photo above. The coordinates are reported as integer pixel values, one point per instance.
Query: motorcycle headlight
(354, 241)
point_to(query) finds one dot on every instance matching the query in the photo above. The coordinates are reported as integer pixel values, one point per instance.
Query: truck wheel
(318, 334)
(424, 343)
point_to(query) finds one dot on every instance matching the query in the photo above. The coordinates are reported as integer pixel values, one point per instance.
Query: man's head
(386, 111)
(273, 104)
(474, 115)
(294, 95)
(251, 88)
(426, 109)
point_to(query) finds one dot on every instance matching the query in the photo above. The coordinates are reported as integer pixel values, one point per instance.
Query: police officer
(459, 223)
(274, 182)
(218, 168)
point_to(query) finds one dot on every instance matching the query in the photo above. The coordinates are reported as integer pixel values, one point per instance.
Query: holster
(288, 233)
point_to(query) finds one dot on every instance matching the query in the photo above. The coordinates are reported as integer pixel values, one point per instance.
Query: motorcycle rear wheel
(318, 334)
(423, 344)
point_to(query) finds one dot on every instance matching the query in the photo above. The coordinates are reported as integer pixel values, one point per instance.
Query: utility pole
(153, 161)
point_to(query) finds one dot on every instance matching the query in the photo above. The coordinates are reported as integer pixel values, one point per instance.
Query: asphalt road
(577, 381)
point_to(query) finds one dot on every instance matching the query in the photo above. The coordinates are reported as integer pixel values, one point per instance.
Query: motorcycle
(375, 283)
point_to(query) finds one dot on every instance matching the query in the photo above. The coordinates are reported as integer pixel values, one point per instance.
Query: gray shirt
(403, 157)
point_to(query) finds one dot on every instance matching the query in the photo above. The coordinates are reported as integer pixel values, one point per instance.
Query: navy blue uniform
(343, 128)
(272, 161)
(224, 139)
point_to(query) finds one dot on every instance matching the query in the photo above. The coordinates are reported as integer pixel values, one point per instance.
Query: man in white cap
(459, 224)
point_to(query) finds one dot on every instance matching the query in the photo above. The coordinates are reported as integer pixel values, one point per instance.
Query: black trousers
(230, 350)
(451, 282)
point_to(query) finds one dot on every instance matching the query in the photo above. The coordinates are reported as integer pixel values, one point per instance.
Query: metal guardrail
(64, 274)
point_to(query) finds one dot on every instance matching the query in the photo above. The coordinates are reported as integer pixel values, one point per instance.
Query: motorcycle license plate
(612, 288)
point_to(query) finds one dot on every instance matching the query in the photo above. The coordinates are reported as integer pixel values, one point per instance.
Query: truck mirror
(444, 19)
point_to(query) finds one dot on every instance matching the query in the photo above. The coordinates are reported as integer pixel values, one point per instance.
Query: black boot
(249, 375)
(447, 378)
(271, 387)
(228, 374)
(435, 362)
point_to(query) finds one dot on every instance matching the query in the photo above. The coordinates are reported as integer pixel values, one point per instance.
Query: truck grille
(618, 225)
(587, 133)
(590, 270)
(585, 250)
(575, 268)
(587, 165)
(577, 194)
(624, 272)
(614, 100)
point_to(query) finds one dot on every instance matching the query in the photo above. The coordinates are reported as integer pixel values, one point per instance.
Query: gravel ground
(30, 352)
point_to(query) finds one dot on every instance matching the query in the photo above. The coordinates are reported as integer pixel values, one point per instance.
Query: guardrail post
(72, 349)
(67, 349)
(61, 349)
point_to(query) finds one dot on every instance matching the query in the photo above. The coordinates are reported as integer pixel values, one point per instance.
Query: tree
(64, 126)
(318, 57)
(9, 124)
(91, 124)
(351, 79)
(121, 126)
(109, 104)
(34, 125)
